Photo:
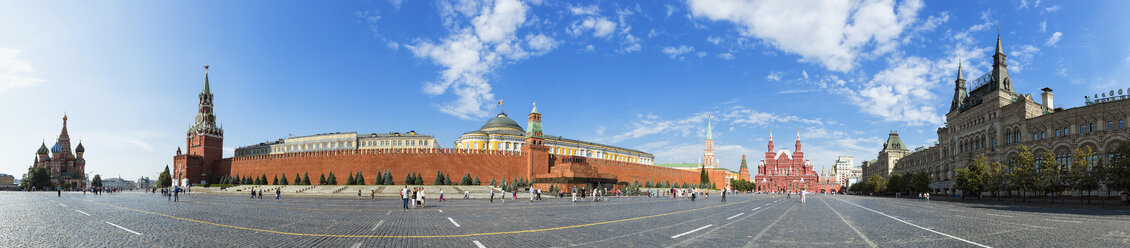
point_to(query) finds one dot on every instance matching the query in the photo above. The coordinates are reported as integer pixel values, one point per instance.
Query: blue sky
(643, 75)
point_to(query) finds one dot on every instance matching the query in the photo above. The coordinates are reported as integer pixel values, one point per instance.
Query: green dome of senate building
(502, 122)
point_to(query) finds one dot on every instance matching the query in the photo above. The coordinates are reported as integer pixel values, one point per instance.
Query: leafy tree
(96, 182)
(1081, 175)
(741, 185)
(439, 178)
(1116, 174)
(1023, 174)
(894, 184)
(164, 180)
(920, 182)
(476, 181)
(875, 184)
(332, 180)
(36, 178)
(447, 179)
(359, 179)
(1049, 177)
(971, 179)
(283, 180)
(306, 178)
(996, 179)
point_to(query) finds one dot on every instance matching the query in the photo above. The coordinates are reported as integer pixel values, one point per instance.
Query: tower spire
(207, 90)
(708, 132)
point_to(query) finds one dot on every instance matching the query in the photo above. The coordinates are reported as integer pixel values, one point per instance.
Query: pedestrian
(502, 197)
(466, 194)
(491, 195)
(574, 193)
(531, 194)
(253, 194)
(413, 197)
(539, 194)
(260, 194)
(163, 191)
(358, 194)
(404, 196)
(176, 194)
(278, 194)
(790, 195)
(373, 195)
(803, 193)
(420, 196)
(441, 196)
(723, 195)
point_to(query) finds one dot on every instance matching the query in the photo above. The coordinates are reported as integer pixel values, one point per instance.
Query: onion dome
(502, 122)
(70, 157)
(42, 149)
(56, 148)
(80, 149)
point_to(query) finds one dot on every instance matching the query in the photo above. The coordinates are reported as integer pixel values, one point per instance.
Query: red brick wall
(455, 162)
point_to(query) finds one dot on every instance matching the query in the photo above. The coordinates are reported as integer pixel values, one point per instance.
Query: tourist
(373, 195)
(574, 193)
(466, 194)
(253, 194)
(163, 191)
(723, 195)
(803, 193)
(415, 201)
(539, 194)
(420, 196)
(441, 196)
(531, 194)
(790, 195)
(260, 194)
(278, 194)
(514, 195)
(358, 194)
(176, 194)
(404, 196)
(491, 195)
(502, 197)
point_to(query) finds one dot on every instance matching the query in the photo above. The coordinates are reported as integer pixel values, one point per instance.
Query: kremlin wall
(533, 158)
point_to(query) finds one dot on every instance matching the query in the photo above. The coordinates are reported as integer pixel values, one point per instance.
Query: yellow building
(503, 133)
(338, 142)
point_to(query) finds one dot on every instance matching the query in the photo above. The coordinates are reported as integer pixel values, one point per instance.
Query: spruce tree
(388, 178)
(332, 179)
(349, 180)
(283, 180)
(264, 177)
(359, 179)
(466, 180)
(476, 182)
(276, 182)
(447, 179)
(439, 178)
(306, 178)
(322, 179)
(409, 179)
(492, 182)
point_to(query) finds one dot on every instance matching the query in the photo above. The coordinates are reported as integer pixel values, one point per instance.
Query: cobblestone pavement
(141, 219)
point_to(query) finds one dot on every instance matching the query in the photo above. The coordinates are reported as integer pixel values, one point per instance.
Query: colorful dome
(56, 148)
(80, 149)
(42, 149)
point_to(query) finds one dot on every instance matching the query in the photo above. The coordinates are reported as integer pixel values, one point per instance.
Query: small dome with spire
(42, 149)
(80, 149)
(56, 148)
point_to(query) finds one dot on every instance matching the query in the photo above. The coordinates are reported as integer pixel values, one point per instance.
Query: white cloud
(903, 91)
(16, 72)
(1051, 9)
(832, 34)
(1044, 26)
(369, 18)
(670, 9)
(396, 3)
(677, 52)
(726, 56)
(471, 52)
(700, 54)
(599, 26)
(1022, 57)
(713, 40)
(1054, 39)
(1023, 4)
(584, 10)
(804, 73)
(775, 76)
(590, 48)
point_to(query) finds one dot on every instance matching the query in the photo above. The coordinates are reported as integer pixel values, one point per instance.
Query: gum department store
(994, 119)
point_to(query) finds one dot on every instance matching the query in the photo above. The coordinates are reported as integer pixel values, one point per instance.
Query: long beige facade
(993, 119)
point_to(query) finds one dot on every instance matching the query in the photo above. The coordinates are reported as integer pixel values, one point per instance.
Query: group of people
(924, 196)
(259, 194)
(800, 194)
(414, 195)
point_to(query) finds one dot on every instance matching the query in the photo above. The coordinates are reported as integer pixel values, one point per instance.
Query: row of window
(1014, 137)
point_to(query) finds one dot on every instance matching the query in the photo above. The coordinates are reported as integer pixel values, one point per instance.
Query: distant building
(118, 183)
(145, 182)
(845, 170)
(504, 134)
(64, 165)
(6, 179)
(784, 171)
(339, 142)
(893, 150)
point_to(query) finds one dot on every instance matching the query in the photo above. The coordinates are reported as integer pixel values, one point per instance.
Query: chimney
(1047, 98)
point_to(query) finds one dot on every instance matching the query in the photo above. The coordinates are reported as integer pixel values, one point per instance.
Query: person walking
(404, 196)
(420, 196)
(260, 194)
(466, 194)
(278, 194)
(723, 195)
(574, 193)
(502, 197)
(539, 194)
(531, 194)
(491, 195)
(176, 194)
(253, 194)
(372, 195)
(163, 191)
(441, 196)
(358, 194)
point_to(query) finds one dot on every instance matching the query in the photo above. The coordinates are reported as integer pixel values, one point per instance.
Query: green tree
(703, 178)
(894, 183)
(875, 184)
(306, 178)
(466, 180)
(1116, 174)
(996, 179)
(920, 183)
(276, 181)
(283, 180)
(165, 179)
(970, 180)
(97, 181)
(388, 178)
(1049, 176)
(1082, 175)
(493, 182)
(476, 181)
(322, 179)
(264, 178)
(37, 178)
(1023, 172)
(349, 180)
(409, 179)
(447, 179)
(439, 178)
(359, 179)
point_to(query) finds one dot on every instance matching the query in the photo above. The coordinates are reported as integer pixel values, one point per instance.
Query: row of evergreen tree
(382, 178)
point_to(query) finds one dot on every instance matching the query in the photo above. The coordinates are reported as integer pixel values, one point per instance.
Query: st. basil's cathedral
(66, 166)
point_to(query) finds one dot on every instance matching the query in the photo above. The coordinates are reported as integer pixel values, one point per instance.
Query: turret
(1000, 79)
(959, 92)
(798, 140)
(534, 124)
(770, 140)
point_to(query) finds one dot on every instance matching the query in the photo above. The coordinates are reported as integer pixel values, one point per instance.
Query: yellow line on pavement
(416, 236)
